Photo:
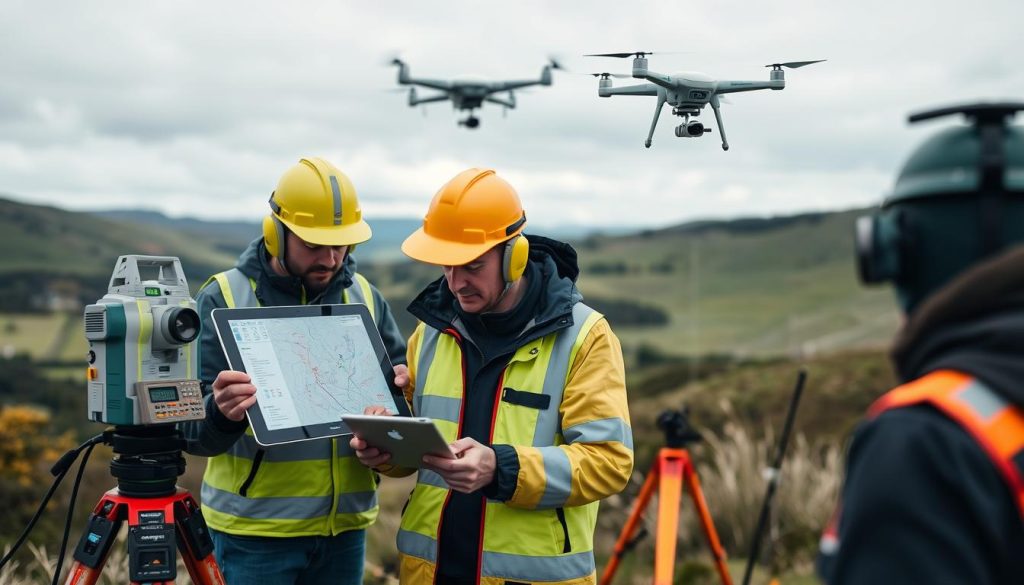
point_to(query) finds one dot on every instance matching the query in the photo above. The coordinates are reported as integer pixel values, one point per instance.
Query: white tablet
(407, 439)
(310, 364)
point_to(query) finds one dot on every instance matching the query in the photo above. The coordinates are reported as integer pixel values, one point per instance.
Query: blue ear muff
(879, 239)
(514, 258)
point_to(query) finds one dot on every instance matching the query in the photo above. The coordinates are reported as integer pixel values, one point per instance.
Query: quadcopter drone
(468, 93)
(686, 92)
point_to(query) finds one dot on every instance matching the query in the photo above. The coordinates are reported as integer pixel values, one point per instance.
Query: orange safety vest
(996, 425)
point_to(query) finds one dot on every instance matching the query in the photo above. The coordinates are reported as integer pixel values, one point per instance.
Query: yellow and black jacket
(550, 399)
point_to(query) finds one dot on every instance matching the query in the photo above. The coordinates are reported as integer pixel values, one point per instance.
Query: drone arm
(644, 89)
(431, 83)
(738, 86)
(509, 103)
(415, 101)
(518, 84)
(659, 79)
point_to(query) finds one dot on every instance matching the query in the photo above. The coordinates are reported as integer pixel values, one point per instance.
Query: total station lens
(184, 324)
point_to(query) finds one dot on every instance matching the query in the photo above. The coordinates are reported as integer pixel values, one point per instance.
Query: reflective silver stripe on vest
(508, 566)
(357, 502)
(428, 346)
(549, 420)
(241, 289)
(265, 508)
(600, 431)
(417, 545)
(981, 399)
(558, 477)
(428, 477)
(440, 407)
(537, 569)
(285, 507)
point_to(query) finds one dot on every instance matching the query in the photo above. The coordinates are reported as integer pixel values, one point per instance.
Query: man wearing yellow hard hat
(297, 512)
(527, 384)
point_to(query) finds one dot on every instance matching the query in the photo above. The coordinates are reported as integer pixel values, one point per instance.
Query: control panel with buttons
(169, 401)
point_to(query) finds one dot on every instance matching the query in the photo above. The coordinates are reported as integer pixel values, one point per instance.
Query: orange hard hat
(468, 216)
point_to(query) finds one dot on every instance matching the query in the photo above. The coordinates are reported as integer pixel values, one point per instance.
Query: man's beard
(313, 285)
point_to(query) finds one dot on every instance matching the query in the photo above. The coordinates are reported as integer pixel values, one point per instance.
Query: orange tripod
(669, 471)
(160, 515)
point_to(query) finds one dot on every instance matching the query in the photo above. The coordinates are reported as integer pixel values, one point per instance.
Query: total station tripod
(670, 470)
(160, 515)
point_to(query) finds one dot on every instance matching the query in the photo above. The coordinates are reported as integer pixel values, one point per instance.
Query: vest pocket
(244, 489)
(560, 512)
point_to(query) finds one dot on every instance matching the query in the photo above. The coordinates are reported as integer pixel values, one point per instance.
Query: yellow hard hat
(471, 214)
(318, 203)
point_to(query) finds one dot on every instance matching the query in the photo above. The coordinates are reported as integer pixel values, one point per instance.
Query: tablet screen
(310, 365)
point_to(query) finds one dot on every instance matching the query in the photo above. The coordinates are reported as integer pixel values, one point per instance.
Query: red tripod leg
(194, 542)
(706, 523)
(94, 546)
(623, 543)
(670, 462)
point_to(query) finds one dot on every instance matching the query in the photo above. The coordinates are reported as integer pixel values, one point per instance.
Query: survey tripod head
(676, 426)
(148, 459)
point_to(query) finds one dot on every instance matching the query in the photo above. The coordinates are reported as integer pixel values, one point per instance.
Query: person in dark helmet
(934, 487)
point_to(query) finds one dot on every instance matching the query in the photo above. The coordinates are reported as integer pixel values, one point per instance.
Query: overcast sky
(196, 108)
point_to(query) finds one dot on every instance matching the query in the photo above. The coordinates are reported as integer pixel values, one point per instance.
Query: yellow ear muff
(513, 264)
(274, 236)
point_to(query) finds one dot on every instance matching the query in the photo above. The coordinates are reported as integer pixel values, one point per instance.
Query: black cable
(71, 511)
(32, 522)
(59, 470)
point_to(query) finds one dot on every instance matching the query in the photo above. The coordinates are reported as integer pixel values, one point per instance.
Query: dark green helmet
(958, 200)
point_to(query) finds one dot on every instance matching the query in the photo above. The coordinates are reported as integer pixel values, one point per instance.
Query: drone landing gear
(654, 122)
(718, 119)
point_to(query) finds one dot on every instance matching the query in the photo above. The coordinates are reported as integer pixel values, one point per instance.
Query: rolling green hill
(52, 249)
(749, 286)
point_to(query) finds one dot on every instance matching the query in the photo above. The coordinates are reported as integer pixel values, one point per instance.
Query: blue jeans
(305, 560)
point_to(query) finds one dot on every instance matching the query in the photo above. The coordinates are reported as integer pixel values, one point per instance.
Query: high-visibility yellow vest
(552, 543)
(308, 488)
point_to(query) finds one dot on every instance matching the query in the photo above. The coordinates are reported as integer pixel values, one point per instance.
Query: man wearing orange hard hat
(525, 381)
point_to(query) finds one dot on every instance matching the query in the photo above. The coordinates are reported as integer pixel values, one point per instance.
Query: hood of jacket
(558, 268)
(274, 289)
(975, 324)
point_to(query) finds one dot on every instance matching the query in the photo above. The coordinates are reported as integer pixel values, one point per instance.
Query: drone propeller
(621, 55)
(555, 63)
(794, 64)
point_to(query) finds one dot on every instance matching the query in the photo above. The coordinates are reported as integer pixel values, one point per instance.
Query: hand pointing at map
(233, 393)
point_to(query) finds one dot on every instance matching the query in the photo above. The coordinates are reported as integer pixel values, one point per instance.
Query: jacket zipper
(560, 512)
(462, 411)
(252, 473)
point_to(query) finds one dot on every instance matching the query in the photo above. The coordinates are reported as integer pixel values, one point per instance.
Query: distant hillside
(233, 236)
(750, 286)
(55, 252)
(747, 286)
